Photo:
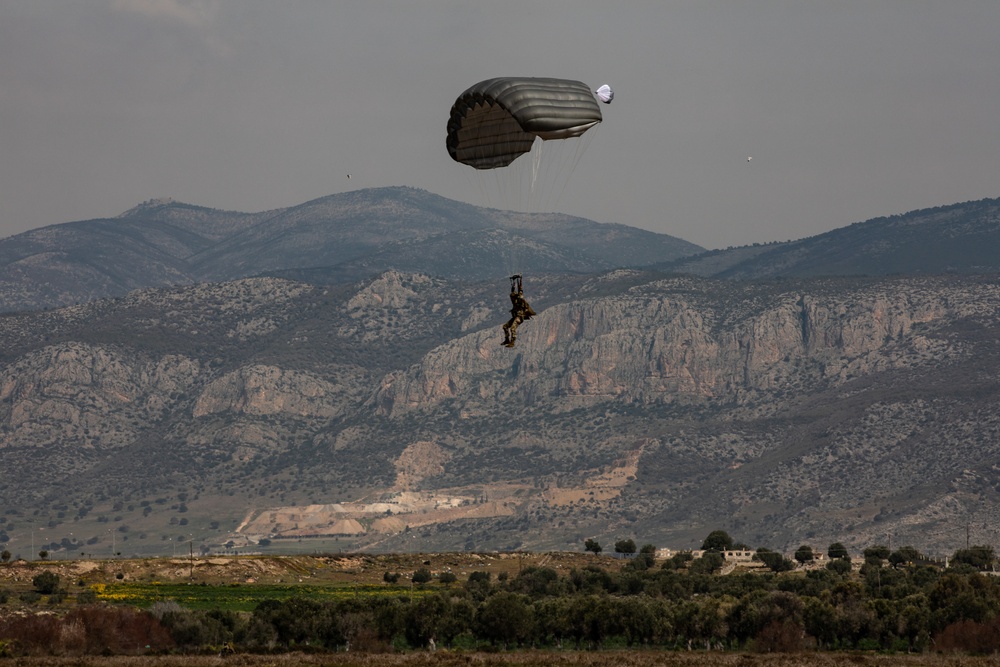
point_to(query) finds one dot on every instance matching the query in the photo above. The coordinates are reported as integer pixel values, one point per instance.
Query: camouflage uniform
(519, 312)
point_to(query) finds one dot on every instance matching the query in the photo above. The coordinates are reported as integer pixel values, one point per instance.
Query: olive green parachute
(497, 120)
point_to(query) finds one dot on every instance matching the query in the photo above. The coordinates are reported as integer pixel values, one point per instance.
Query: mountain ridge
(348, 236)
(959, 238)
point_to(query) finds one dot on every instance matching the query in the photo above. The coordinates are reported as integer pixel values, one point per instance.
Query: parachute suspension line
(518, 211)
(553, 164)
(536, 163)
(581, 145)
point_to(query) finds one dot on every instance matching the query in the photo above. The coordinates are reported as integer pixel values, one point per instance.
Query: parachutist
(520, 311)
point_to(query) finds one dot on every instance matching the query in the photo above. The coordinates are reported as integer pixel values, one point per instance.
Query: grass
(238, 597)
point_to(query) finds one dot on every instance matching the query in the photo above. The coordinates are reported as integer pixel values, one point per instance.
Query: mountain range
(345, 237)
(961, 238)
(306, 382)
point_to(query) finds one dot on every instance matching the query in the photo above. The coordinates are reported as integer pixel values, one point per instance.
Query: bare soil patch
(317, 570)
(519, 659)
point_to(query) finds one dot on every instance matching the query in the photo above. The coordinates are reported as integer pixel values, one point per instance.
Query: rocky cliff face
(671, 341)
(267, 390)
(633, 405)
(61, 396)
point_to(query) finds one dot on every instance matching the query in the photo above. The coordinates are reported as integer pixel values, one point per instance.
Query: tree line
(889, 604)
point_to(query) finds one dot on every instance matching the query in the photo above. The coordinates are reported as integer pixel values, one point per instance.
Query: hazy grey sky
(850, 109)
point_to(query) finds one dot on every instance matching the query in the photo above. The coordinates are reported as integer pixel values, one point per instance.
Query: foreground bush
(86, 631)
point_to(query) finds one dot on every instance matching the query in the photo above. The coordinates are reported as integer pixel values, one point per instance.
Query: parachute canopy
(605, 94)
(497, 120)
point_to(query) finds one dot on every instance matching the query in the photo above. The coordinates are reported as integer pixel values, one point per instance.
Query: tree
(709, 563)
(775, 561)
(837, 550)
(678, 561)
(717, 540)
(457, 619)
(646, 558)
(43, 554)
(804, 554)
(839, 565)
(537, 581)
(46, 582)
(589, 618)
(592, 545)
(874, 555)
(904, 555)
(422, 576)
(424, 618)
(977, 556)
(5, 556)
(625, 546)
(636, 618)
(505, 618)
(820, 621)
(777, 621)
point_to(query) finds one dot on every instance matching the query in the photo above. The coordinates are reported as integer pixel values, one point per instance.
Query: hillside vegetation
(385, 416)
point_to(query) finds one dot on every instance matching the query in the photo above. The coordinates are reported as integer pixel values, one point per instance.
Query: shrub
(779, 637)
(981, 557)
(709, 563)
(840, 565)
(775, 561)
(197, 629)
(34, 634)
(969, 636)
(46, 582)
(117, 630)
(625, 546)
